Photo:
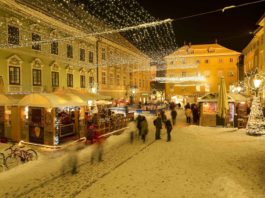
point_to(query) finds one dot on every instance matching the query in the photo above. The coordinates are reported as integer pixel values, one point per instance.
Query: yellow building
(254, 53)
(88, 63)
(194, 70)
(41, 53)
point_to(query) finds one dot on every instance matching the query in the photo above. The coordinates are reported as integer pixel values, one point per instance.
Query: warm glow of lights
(257, 83)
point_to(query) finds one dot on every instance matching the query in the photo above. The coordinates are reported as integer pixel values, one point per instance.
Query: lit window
(220, 60)
(231, 60)
(184, 74)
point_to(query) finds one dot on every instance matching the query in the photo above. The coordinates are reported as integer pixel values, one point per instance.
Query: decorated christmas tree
(256, 122)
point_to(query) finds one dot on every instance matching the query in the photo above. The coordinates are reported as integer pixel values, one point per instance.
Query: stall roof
(5, 101)
(50, 100)
(103, 102)
(213, 97)
(238, 97)
(83, 94)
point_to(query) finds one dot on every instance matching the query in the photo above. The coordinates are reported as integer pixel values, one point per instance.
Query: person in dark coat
(158, 125)
(163, 116)
(169, 129)
(195, 113)
(139, 119)
(144, 128)
(174, 116)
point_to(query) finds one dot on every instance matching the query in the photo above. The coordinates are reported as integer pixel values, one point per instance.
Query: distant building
(254, 55)
(255, 50)
(194, 70)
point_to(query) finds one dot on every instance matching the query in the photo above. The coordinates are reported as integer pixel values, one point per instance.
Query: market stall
(49, 118)
(208, 110)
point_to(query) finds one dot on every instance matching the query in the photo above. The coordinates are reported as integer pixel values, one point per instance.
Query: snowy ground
(198, 162)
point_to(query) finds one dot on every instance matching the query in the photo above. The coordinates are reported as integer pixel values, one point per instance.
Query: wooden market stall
(48, 117)
(208, 110)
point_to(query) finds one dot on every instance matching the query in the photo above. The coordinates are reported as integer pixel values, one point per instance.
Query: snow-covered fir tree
(256, 122)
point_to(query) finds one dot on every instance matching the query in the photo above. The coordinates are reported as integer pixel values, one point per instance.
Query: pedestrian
(90, 133)
(98, 151)
(163, 116)
(138, 120)
(144, 128)
(195, 114)
(169, 129)
(158, 126)
(188, 114)
(174, 115)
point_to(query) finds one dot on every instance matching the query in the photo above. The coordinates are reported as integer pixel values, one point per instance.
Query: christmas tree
(256, 122)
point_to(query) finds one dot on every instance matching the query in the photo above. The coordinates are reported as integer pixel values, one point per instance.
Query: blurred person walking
(158, 126)
(144, 128)
(97, 153)
(174, 115)
(169, 129)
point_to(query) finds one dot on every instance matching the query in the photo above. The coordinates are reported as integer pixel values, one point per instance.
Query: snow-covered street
(198, 162)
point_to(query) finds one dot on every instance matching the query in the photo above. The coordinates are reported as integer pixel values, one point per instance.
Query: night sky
(232, 28)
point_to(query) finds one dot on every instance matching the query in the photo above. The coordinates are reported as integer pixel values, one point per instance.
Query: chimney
(216, 40)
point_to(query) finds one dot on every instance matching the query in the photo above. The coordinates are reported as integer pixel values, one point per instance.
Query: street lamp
(257, 83)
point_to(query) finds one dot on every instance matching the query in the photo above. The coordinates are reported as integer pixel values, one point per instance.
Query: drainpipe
(97, 59)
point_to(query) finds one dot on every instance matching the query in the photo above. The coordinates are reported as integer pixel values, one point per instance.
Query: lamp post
(257, 83)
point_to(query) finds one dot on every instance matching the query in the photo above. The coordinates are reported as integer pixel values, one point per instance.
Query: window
(36, 77)
(220, 60)
(13, 35)
(220, 73)
(14, 75)
(124, 80)
(103, 55)
(104, 78)
(198, 61)
(230, 73)
(91, 57)
(206, 61)
(70, 80)
(55, 79)
(82, 55)
(91, 80)
(36, 38)
(118, 79)
(231, 60)
(111, 78)
(82, 81)
(183, 74)
(54, 47)
(69, 51)
(140, 83)
(207, 74)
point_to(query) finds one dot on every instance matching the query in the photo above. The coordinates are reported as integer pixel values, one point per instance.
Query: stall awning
(50, 100)
(83, 94)
(103, 102)
(5, 101)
